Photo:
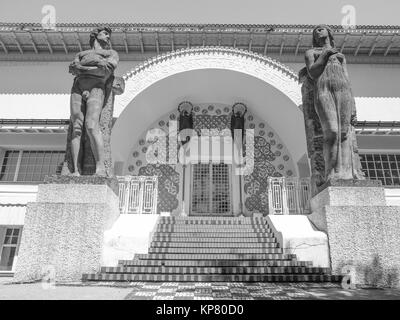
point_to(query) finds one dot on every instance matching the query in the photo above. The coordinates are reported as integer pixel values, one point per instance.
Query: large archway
(209, 75)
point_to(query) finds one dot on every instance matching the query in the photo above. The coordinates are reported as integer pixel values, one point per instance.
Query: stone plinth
(360, 228)
(64, 230)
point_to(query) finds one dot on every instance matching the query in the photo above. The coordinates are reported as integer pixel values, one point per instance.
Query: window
(30, 166)
(383, 167)
(9, 248)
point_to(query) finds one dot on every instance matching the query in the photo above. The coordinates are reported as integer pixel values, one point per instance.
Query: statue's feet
(101, 171)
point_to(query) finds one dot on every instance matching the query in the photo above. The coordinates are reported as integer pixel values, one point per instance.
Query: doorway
(211, 189)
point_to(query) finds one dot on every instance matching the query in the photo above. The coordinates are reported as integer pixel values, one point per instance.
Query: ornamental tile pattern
(271, 157)
(231, 291)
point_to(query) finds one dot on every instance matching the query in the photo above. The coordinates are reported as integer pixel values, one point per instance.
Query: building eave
(135, 41)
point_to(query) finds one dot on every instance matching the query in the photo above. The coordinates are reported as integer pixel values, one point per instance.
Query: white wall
(368, 80)
(17, 193)
(392, 197)
(42, 77)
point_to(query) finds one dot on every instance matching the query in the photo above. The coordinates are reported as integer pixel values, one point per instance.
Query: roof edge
(30, 26)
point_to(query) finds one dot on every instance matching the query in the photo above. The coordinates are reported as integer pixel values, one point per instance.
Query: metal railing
(138, 194)
(289, 195)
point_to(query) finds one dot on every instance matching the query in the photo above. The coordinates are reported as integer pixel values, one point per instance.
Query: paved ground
(188, 291)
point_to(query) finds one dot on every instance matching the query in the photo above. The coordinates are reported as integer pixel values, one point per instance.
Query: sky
(367, 12)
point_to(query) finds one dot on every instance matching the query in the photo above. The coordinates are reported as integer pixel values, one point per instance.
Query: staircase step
(215, 234)
(215, 250)
(212, 230)
(213, 220)
(212, 278)
(173, 239)
(223, 256)
(215, 270)
(214, 263)
(176, 244)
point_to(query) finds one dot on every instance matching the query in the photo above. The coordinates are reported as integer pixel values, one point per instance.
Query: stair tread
(214, 278)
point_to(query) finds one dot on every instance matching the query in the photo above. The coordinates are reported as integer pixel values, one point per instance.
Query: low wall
(296, 235)
(130, 234)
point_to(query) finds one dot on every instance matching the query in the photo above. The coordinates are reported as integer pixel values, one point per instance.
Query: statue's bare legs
(94, 106)
(89, 113)
(77, 118)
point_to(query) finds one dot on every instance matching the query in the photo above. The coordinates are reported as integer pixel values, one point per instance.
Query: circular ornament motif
(161, 123)
(270, 134)
(286, 157)
(279, 146)
(138, 163)
(289, 173)
(261, 125)
(144, 149)
(281, 167)
(211, 108)
(278, 153)
(218, 111)
(226, 109)
(196, 109)
(272, 142)
(250, 118)
(131, 168)
(252, 126)
(262, 133)
(142, 142)
(135, 154)
(205, 111)
(172, 116)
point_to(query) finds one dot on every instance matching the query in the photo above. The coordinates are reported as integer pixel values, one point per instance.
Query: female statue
(335, 106)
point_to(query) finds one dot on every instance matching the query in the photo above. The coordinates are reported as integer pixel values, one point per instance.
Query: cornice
(20, 26)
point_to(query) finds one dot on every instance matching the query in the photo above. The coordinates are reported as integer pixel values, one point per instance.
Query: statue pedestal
(64, 230)
(361, 229)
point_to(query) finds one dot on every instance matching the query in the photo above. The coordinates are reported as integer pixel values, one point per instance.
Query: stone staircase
(211, 249)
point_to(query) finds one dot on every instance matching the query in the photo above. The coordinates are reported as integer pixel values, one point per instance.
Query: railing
(138, 194)
(289, 195)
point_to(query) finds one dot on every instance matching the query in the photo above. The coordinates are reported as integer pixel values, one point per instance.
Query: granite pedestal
(363, 232)
(64, 230)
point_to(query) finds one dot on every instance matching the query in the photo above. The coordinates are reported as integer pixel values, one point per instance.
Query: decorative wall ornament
(168, 185)
(250, 63)
(267, 157)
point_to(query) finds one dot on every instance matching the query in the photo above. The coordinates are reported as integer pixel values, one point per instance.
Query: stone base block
(66, 238)
(366, 194)
(363, 234)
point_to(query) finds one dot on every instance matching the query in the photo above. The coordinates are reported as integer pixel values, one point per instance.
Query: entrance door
(211, 189)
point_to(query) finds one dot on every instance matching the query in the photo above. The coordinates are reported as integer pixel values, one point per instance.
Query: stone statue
(239, 110)
(185, 119)
(326, 87)
(92, 102)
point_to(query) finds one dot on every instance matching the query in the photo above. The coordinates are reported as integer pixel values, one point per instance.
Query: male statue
(94, 74)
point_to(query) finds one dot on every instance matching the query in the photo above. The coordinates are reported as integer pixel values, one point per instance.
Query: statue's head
(102, 35)
(321, 32)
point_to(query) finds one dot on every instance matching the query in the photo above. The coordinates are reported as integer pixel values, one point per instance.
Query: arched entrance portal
(216, 77)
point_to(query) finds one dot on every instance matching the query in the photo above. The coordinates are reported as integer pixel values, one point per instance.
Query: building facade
(209, 70)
